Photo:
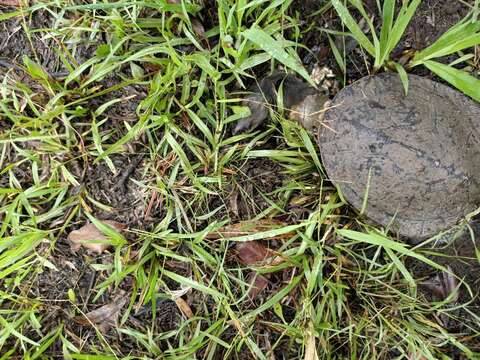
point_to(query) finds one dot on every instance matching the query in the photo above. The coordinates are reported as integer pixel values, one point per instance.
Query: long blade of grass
(464, 43)
(458, 78)
(339, 58)
(376, 239)
(461, 36)
(403, 76)
(193, 284)
(271, 46)
(354, 28)
(387, 23)
(403, 19)
(401, 267)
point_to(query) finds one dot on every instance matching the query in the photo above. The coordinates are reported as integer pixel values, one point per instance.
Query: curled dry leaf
(89, 233)
(106, 316)
(251, 252)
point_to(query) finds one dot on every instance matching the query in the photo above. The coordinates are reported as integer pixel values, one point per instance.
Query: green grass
(341, 290)
(462, 36)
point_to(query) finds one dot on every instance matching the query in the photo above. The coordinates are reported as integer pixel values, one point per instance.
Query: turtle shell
(411, 162)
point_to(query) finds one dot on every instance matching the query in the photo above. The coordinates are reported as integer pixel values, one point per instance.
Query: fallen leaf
(198, 28)
(184, 307)
(106, 316)
(89, 233)
(258, 283)
(249, 227)
(10, 2)
(251, 252)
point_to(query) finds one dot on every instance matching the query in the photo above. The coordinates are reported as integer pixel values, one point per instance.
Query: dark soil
(254, 183)
(127, 200)
(16, 42)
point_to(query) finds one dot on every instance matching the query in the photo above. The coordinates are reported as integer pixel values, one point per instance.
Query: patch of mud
(67, 271)
(15, 42)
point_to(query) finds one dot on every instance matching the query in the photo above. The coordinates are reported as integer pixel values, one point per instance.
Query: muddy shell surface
(417, 154)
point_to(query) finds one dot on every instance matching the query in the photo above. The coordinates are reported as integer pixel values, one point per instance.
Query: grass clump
(138, 93)
(463, 35)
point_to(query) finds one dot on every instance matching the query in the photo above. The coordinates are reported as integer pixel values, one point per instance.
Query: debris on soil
(90, 237)
(124, 200)
(125, 175)
(251, 252)
(459, 257)
(106, 316)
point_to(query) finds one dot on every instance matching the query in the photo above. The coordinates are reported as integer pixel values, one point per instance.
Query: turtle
(408, 161)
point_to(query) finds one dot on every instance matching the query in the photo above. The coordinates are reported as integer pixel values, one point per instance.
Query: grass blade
(271, 46)
(458, 78)
(387, 23)
(386, 243)
(354, 28)
(403, 19)
(403, 76)
(339, 58)
(460, 36)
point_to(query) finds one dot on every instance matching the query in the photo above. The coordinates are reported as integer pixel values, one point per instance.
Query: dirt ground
(127, 199)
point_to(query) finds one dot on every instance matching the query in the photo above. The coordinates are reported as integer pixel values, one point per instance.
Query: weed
(152, 80)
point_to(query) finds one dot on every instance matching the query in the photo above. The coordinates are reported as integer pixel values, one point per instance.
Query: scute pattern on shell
(419, 154)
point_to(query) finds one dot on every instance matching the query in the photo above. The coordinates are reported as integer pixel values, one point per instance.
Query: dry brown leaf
(198, 28)
(10, 2)
(237, 324)
(89, 232)
(251, 252)
(106, 316)
(249, 227)
(258, 283)
(184, 307)
(311, 348)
